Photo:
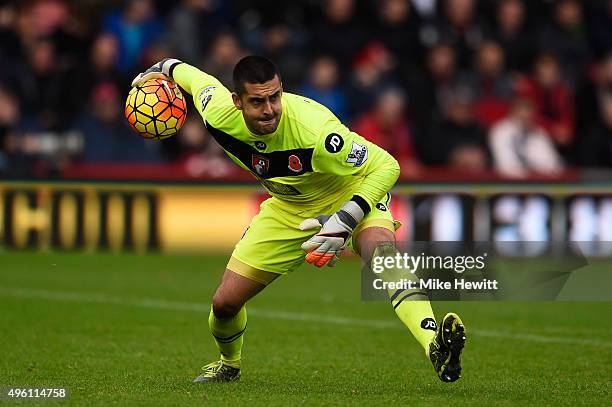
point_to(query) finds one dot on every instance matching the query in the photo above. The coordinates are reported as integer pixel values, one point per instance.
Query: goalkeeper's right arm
(190, 78)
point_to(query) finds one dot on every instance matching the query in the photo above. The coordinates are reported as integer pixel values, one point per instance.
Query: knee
(377, 235)
(370, 238)
(224, 307)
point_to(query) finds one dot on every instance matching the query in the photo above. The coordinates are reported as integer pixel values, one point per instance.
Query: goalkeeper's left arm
(345, 153)
(379, 174)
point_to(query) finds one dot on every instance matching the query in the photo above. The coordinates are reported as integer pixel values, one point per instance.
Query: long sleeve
(192, 79)
(343, 152)
(380, 175)
(212, 100)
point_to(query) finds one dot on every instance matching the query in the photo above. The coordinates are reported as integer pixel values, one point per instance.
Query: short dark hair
(253, 69)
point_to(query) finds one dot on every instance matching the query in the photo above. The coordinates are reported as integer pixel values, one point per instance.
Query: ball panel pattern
(156, 109)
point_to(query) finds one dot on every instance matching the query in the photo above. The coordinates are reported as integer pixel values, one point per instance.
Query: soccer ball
(156, 109)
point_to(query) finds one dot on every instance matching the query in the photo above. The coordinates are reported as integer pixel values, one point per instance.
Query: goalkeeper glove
(162, 69)
(326, 246)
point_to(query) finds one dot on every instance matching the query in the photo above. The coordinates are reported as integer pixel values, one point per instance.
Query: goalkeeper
(330, 190)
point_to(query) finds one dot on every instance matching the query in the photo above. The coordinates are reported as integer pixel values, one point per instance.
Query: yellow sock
(411, 306)
(418, 316)
(228, 334)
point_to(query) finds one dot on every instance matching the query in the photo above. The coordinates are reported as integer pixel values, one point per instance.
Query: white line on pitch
(64, 296)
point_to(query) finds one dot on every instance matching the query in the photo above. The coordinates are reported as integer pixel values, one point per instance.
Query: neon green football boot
(218, 372)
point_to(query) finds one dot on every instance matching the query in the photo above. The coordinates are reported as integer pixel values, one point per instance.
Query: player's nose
(267, 108)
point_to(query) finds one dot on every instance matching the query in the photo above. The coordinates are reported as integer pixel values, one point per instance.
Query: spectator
(323, 86)
(601, 28)
(386, 126)
(54, 20)
(459, 27)
(338, 32)
(49, 16)
(458, 140)
(372, 71)
(278, 30)
(398, 30)
(9, 40)
(286, 47)
(595, 150)
(589, 97)
(552, 98)
(567, 39)
(9, 118)
(519, 147)
(30, 150)
(511, 32)
(47, 97)
(432, 89)
(191, 28)
(225, 52)
(135, 27)
(101, 67)
(490, 83)
(107, 137)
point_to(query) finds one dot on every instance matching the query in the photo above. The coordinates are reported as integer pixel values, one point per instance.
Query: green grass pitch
(132, 330)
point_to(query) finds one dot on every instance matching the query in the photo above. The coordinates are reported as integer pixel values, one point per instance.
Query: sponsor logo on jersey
(205, 96)
(295, 164)
(358, 155)
(381, 207)
(334, 143)
(260, 164)
(260, 145)
(429, 323)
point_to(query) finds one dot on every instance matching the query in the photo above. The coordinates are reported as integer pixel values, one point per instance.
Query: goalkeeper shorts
(271, 244)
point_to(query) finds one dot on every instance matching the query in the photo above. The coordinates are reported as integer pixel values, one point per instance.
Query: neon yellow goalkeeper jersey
(311, 158)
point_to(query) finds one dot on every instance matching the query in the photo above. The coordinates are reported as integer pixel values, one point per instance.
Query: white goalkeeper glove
(162, 69)
(326, 246)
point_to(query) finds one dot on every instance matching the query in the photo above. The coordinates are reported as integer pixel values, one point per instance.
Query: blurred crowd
(518, 87)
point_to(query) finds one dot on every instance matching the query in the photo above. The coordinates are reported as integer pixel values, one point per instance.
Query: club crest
(260, 164)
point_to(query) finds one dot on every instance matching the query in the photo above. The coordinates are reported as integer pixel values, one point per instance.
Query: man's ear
(236, 100)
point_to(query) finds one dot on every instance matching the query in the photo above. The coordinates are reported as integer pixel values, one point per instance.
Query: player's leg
(228, 316)
(411, 306)
(442, 344)
(270, 247)
(228, 319)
